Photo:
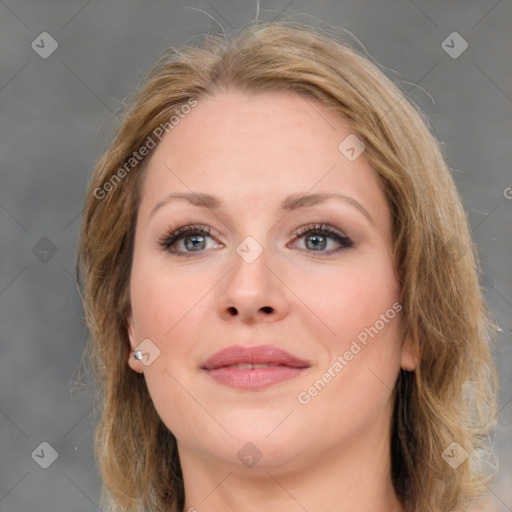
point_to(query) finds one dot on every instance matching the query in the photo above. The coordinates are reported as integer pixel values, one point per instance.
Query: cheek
(354, 387)
(349, 297)
(162, 300)
(359, 305)
(166, 306)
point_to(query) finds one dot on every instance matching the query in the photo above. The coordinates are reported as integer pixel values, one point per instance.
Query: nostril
(232, 310)
(267, 309)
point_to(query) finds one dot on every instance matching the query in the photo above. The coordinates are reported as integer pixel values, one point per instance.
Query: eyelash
(170, 237)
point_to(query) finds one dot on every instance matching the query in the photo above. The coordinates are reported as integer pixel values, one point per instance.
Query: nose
(253, 291)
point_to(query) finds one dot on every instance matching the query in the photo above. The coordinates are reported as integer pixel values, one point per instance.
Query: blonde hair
(451, 395)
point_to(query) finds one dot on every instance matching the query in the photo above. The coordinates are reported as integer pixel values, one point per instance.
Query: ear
(134, 364)
(410, 354)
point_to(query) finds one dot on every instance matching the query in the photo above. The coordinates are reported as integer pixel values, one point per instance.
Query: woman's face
(279, 266)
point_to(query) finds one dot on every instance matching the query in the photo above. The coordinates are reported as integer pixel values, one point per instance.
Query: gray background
(56, 116)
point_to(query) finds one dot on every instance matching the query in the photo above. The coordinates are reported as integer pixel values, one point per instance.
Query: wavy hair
(450, 398)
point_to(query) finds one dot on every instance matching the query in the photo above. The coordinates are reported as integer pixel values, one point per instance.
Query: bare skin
(330, 452)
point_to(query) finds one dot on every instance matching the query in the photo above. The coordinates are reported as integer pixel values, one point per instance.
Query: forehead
(257, 149)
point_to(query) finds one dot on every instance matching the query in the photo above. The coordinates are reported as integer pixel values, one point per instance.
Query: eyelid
(319, 226)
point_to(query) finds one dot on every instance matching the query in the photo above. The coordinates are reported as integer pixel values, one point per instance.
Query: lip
(282, 366)
(261, 354)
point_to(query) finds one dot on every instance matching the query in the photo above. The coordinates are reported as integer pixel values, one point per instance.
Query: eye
(186, 240)
(317, 237)
(193, 238)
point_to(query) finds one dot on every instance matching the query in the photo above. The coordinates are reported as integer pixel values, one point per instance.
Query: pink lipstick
(253, 367)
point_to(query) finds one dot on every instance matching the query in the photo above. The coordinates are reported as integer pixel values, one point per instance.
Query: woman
(281, 290)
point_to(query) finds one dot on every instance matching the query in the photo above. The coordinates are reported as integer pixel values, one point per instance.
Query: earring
(138, 355)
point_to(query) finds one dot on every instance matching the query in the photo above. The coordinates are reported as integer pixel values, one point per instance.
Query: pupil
(194, 239)
(315, 239)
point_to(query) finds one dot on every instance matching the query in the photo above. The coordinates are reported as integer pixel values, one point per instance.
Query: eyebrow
(292, 202)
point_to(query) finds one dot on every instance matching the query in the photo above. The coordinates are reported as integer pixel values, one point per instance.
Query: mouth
(253, 367)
